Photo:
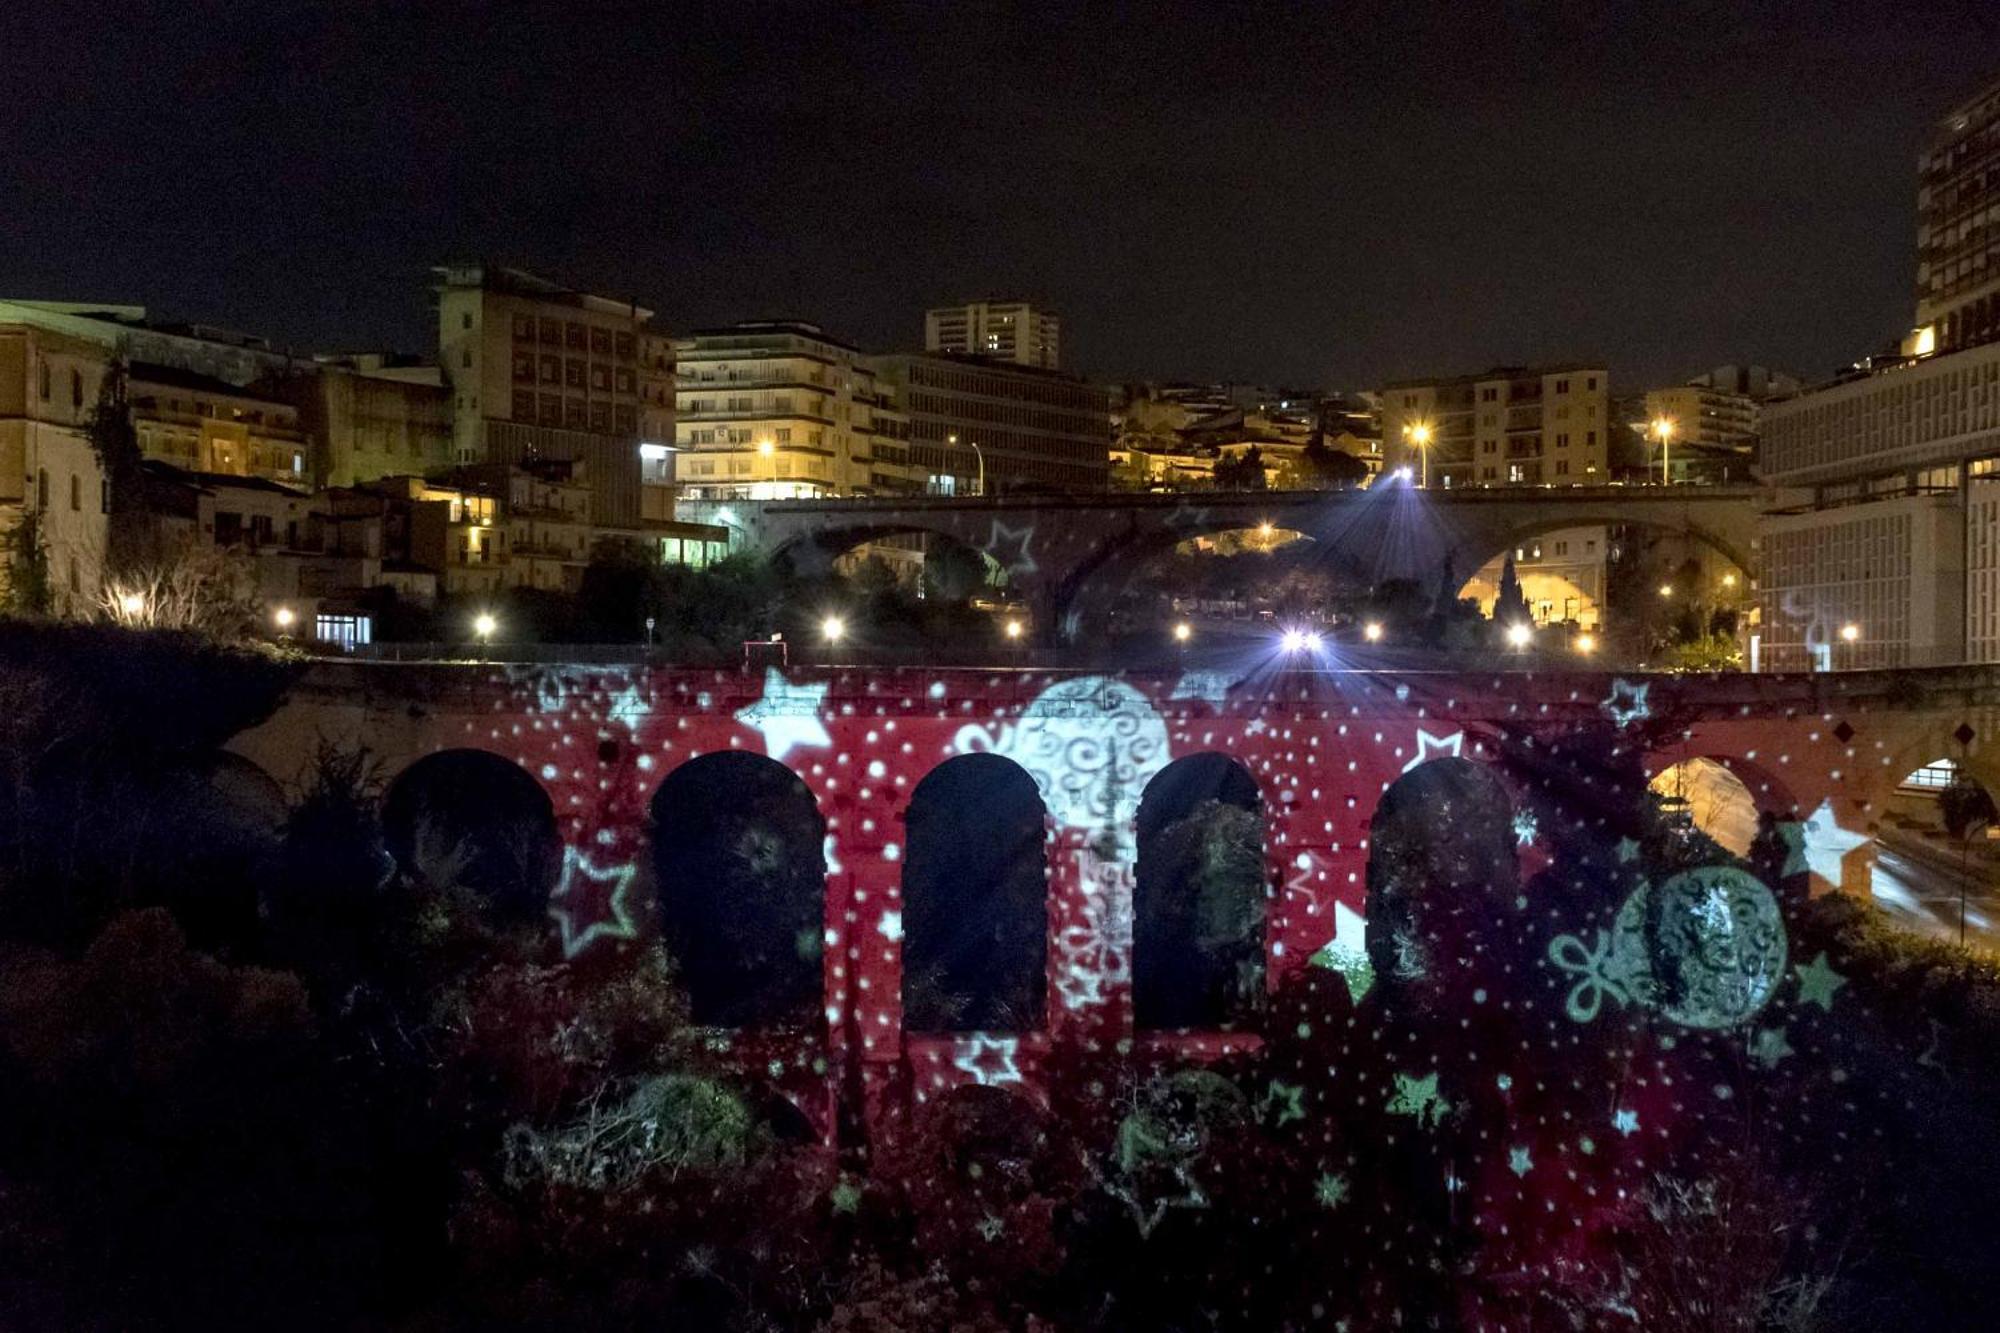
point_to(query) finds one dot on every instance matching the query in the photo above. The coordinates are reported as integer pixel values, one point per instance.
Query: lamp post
(979, 457)
(1418, 433)
(1663, 427)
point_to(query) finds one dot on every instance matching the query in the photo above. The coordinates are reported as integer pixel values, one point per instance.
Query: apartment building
(1015, 331)
(1511, 426)
(1958, 227)
(780, 409)
(372, 416)
(1008, 427)
(536, 370)
(199, 423)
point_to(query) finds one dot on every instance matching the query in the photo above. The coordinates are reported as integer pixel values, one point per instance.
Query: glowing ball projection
(1706, 949)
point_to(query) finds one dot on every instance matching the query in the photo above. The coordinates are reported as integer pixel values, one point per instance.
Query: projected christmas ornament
(1706, 949)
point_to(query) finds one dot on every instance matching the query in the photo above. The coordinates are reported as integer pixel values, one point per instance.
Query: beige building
(537, 370)
(373, 416)
(1700, 415)
(49, 383)
(773, 410)
(1512, 426)
(1014, 331)
(202, 424)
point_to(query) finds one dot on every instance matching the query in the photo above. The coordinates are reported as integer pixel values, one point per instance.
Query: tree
(29, 592)
(1334, 469)
(1511, 606)
(1241, 472)
(116, 444)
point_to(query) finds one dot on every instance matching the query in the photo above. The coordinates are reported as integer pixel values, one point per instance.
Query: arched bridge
(1052, 546)
(867, 801)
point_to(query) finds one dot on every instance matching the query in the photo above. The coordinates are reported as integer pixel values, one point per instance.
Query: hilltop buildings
(1013, 331)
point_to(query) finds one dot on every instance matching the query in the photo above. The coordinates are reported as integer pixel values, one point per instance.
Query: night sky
(1299, 194)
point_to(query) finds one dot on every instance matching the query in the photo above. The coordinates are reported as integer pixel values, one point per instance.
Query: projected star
(1435, 747)
(1518, 1160)
(1347, 952)
(1822, 845)
(628, 709)
(1289, 1099)
(1769, 1046)
(1524, 828)
(1418, 1097)
(1330, 1190)
(589, 903)
(1625, 1121)
(787, 715)
(1210, 685)
(890, 927)
(1626, 703)
(1818, 982)
(989, 1060)
(1009, 548)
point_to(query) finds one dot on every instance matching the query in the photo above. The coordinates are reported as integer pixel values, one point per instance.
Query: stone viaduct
(595, 744)
(1053, 548)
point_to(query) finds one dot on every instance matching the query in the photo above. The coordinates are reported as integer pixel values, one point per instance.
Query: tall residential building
(1958, 227)
(1715, 418)
(201, 424)
(539, 371)
(778, 409)
(1015, 426)
(1014, 331)
(1511, 426)
(1889, 554)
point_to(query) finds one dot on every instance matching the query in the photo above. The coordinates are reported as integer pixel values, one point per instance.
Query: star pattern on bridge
(1431, 747)
(787, 715)
(1819, 844)
(591, 903)
(1009, 548)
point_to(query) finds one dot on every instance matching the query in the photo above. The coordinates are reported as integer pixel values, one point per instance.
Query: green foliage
(1714, 652)
(29, 589)
(664, 1125)
(1241, 472)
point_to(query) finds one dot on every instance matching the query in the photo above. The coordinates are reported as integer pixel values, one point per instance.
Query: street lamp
(1663, 427)
(1519, 634)
(132, 603)
(978, 457)
(1013, 629)
(1586, 644)
(484, 624)
(1372, 631)
(1183, 632)
(1418, 433)
(1666, 590)
(832, 629)
(1850, 632)
(283, 618)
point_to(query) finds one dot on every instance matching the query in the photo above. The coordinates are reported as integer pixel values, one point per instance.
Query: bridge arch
(1200, 895)
(469, 819)
(1442, 868)
(1472, 552)
(740, 869)
(975, 899)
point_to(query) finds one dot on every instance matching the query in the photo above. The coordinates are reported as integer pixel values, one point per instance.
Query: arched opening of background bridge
(1656, 594)
(1707, 795)
(1199, 901)
(975, 899)
(739, 859)
(957, 589)
(465, 821)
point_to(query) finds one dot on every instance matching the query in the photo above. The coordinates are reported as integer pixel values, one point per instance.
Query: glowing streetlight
(1586, 644)
(132, 603)
(484, 624)
(1418, 433)
(1183, 632)
(1519, 635)
(1728, 580)
(832, 629)
(1850, 632)
(1299, 641)
(283, 618)
(1265, 529)
(1372, 631)
(1663, 430)
(1013, 629)
(1666, 590)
